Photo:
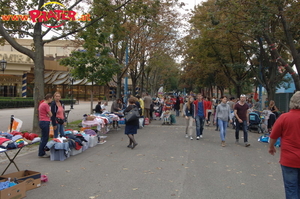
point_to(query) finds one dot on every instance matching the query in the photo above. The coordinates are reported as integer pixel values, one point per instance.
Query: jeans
(199, 125)
(45, 127)
(223, 128)
(177, 112)
(208, 117)
(291, 180)
(237, 129)
(60, 128)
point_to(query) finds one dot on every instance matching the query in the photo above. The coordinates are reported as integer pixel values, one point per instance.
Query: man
(98, 109)
(287, 127)
(200, 113)
(181, 103)
(139, 99)
(147, 103)
(116, 106)
(241, 113)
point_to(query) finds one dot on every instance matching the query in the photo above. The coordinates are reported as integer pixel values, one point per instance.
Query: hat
(242, 95)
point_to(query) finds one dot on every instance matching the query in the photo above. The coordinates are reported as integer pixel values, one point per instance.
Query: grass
(74, 125)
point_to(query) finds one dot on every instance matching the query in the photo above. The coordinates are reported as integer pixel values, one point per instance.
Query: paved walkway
(26, 114)
(164, 165)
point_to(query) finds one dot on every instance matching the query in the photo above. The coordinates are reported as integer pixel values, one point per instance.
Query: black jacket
(134, 122)
(54, 110)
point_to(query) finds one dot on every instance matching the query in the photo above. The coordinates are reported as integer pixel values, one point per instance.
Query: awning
(63, 77)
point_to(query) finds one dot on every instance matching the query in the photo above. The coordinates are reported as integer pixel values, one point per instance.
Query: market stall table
(12, 160)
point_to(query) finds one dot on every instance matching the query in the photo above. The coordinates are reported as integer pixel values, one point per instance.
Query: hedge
(23, 102)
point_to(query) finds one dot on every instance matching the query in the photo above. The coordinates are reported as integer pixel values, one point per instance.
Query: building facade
(17, 80)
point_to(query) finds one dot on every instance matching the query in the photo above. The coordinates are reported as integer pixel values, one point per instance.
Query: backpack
(132, 115)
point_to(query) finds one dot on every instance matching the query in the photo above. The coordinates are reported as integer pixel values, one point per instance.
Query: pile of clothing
(15, 139)
(66, 143)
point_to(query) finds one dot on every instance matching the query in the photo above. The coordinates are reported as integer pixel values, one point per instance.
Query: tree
(10, 29)
(238, 28)
(264, 22)
(95, 63)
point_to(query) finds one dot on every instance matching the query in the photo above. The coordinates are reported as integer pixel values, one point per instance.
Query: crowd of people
(199, 109)
(203, 111)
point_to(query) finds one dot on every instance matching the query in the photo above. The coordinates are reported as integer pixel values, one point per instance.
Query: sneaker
(201, 136)
(223, 143)
(198, 137)
(45, 156)
(191, 138)
(247, 144)
(186, 136)
(236, 141)
(102, 142)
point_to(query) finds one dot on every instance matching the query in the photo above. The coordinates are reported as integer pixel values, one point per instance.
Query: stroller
(157, 111)
(255, 122)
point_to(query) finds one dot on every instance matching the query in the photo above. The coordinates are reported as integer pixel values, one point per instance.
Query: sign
(16, 58)
(60, 15)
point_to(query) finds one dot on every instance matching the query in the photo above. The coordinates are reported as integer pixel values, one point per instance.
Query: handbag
(60, 121)
(132, 115)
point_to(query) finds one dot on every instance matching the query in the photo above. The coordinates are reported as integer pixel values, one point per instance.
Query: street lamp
(72, 81)
(3, 65)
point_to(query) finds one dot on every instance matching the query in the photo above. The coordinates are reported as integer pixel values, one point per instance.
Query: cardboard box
(32, 179)
(15, 192)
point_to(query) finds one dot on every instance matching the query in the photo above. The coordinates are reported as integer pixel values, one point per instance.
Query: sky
(191, 3)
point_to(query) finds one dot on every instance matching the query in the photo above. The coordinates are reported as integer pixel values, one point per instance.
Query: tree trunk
(133, 80)
(271, 93)
(92, 97)
(238, 90)
(39, 88)
(142, 84)
(119, 85)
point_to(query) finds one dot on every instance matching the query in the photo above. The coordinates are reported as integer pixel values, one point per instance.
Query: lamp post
(72, 81)
(3, 65)
(126, 77)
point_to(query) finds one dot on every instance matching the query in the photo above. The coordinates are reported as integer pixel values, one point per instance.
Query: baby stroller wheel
(259, 130)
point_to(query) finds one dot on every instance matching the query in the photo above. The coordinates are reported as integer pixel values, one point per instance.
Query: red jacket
(205, 107)
(287, 127)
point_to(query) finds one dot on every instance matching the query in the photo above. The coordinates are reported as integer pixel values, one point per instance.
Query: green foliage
(95, 63)
(18, 102)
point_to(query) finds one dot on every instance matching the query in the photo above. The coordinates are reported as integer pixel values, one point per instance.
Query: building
(18, 77)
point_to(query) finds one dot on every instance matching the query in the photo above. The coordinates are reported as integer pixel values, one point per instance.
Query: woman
(44, 123)
(132, 126)
(189, 116)
(249, 102)
(177, 106)
(58, 115)
(222, 116)
(273, 108)
(209, 111)
(287, 127)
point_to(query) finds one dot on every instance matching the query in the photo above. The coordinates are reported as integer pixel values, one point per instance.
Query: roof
(63, 77)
